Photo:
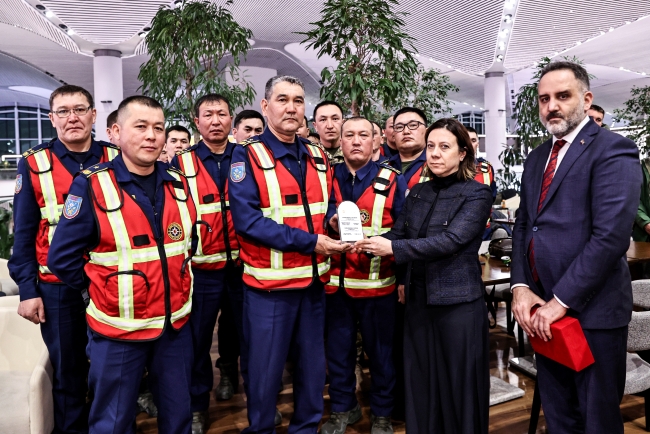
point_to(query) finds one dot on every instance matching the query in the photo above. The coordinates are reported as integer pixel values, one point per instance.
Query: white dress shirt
(569, 138)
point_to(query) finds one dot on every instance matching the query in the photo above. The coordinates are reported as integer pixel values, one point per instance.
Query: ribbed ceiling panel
(460, 33)
(105, 22)
(18, 13)
(542, 28)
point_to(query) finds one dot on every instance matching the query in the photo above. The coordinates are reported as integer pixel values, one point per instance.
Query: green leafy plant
(188, 46)
(6, 238)
(428, 91)
(374, 54)
(510, 157)
(637, 112)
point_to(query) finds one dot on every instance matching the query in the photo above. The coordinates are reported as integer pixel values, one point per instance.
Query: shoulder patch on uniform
(19, 183)
(36, 149)
(237, 172)
(175, 170)
(385, 165)
(249, 142)
(186, 150)
(94, 169)
(72, 206)
(109, 145)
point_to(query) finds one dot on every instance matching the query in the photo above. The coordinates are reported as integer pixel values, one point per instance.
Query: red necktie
(546, 186)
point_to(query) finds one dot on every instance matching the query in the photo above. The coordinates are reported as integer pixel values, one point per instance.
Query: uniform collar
(278, 148)
(396, 161)
(361, 173)
(60, 149)
(204, 152)
(122, 174)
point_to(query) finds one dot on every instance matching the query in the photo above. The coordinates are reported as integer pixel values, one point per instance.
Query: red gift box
(568, 347)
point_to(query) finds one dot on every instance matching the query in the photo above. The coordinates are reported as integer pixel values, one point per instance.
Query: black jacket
(453, 238)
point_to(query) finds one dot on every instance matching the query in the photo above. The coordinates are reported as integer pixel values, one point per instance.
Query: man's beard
(568, 122)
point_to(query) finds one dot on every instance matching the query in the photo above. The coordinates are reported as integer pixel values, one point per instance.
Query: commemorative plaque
(350, 228)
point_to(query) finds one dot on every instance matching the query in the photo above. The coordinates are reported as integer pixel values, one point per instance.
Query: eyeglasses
(413, 125)
(79, 111)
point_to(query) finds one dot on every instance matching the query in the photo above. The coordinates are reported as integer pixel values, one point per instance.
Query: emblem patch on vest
(175, 231)
(19, 183)
(72, 206)
(237, 172)
(365, 216)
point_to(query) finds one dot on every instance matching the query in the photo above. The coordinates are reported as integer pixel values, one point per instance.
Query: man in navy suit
(579, 195)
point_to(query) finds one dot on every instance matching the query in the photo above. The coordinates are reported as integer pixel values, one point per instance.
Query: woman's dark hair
(467, 168)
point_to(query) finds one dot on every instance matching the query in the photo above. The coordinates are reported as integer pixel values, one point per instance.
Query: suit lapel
(538, 174)
(578, 146)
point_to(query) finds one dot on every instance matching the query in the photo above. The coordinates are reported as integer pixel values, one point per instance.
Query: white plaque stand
(350, 227)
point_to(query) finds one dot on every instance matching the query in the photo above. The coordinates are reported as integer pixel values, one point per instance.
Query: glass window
(27, 144)
(7, 146)
(7, 115)
(28, 129)
(7, 129)
(47, 130)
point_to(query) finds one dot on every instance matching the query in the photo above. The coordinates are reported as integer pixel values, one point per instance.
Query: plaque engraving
(350, 228)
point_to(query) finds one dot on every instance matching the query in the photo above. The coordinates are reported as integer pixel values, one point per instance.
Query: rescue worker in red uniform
(44, 176)
(216, 266)
(279, 191)
(484, 170)
(125, 241)
(362, 289)
(409, 126)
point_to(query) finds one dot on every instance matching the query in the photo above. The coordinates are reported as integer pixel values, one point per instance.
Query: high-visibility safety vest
(282, 200)
(484, 173)
(51, 182)
(420, 176)
(139, 282)
(360, 275)
(217, 241)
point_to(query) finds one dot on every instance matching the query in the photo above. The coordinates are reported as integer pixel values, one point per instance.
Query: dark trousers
(376, 319)
(587, 401)
(64, 333)
(273, 322)
(210, 291)
(116, 368)
(446, 366)
(230, 333)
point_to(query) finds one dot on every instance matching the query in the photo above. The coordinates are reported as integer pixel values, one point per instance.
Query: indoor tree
(637, 112)
(188, 45)
(374, 54)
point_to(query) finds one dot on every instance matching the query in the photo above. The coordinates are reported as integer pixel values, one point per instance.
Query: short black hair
(327, 102)
(210, 97)
(306, 122)
(71, 89)
(579, 71)
(313, 134)
(359, 118)
(111, 119)
(248, 114)
(415, 110)
(146, 101)
(597, 108)
(471, 130)
(180, 128)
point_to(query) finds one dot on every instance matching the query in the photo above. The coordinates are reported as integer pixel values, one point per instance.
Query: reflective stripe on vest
(481, 175)
(278, 212)
(124, 258)
(190, 169)
(373, 280)
(52, 210)
(419, 177)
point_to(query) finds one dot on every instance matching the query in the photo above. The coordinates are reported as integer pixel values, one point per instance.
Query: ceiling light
(40, 7)
(627, 22)
(142, 34)
(611, 29)
(578, 43)
(449, 66)
(417, 55)
(602, 33)
(507, 18)
(643, 73)
(431, 59)
(49, 14)
(502, 46)
(504, 33)
(500, 58)
(70, 32)
(510, 4)
(63, 26)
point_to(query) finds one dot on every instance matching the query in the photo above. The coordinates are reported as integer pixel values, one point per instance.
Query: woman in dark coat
(437, 237)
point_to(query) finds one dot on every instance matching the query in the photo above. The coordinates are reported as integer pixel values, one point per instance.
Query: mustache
(554, 115)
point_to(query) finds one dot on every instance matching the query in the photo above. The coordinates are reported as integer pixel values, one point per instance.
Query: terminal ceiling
(464, 39)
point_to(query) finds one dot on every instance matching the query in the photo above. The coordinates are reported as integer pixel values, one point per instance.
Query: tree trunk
(354, 108)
